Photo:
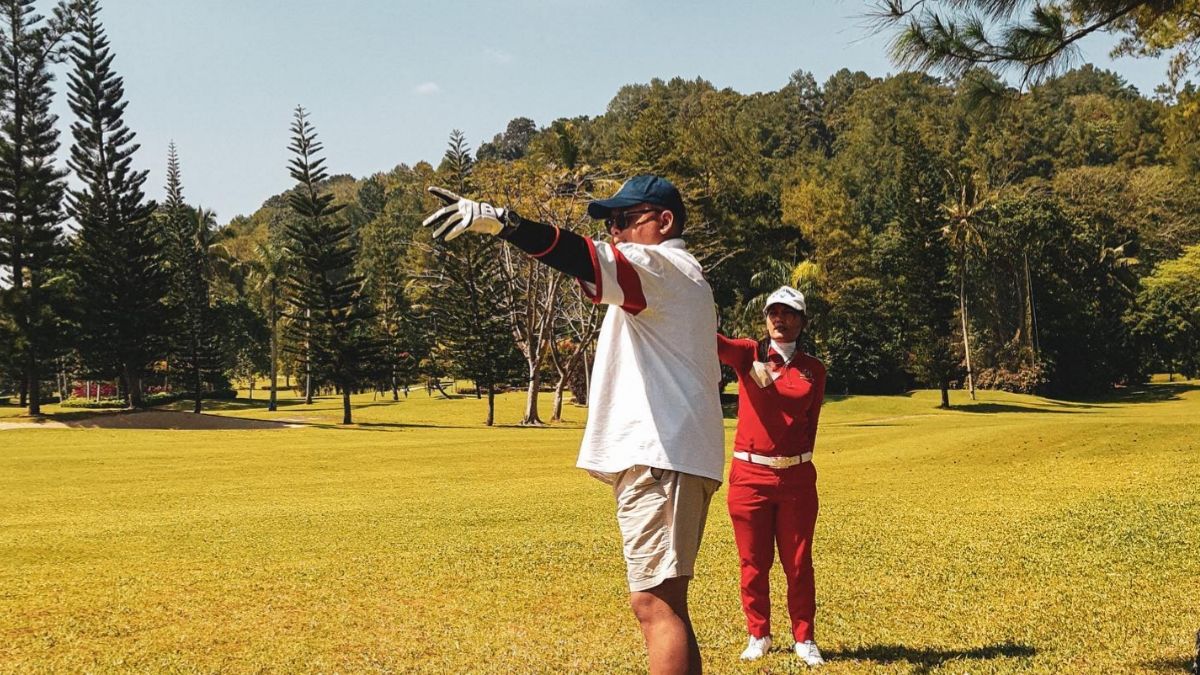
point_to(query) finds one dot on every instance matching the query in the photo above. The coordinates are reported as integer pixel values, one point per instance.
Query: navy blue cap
(642, 189)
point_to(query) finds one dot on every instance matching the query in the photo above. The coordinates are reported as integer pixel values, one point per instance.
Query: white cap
(787, 296)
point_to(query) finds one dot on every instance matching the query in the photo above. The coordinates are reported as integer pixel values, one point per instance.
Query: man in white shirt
(654, 430)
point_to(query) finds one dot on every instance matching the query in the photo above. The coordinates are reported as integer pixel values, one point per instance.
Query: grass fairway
(1009, 534)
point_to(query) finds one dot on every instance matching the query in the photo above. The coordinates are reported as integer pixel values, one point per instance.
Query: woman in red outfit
(772, 483)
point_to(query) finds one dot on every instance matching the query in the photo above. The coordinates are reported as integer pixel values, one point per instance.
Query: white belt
(773, 462)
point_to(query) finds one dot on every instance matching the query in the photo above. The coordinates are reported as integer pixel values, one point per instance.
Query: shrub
(102, 404)
(469, 390)
(1025, 380)
(165, 397)
(153, 399)
(106, 389)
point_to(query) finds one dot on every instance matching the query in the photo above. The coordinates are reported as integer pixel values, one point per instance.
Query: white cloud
(427, 89)
(498, 56)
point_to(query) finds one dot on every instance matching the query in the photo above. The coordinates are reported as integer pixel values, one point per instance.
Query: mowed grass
(1009, 534)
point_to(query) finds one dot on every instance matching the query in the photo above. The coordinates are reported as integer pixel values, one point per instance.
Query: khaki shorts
(661, 515)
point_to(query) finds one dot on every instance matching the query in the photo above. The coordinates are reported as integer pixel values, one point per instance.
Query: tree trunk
(23, 392)
(491, 416)
(531, 418)
(587, 379)
(556, 415)
(271, 405)
(35, 403)
(132, 392)
(308, 395)
(1031, 311)
(945, 395)
(197, 376)
(346, 405)
(35, 389)
(962, 309)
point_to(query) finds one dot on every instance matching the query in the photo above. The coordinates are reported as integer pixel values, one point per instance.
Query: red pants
(772, 507)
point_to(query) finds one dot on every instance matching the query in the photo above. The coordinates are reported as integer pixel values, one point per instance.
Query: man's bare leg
(671, 643)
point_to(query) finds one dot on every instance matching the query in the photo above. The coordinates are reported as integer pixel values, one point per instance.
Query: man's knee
(666, 600)
(645, 606)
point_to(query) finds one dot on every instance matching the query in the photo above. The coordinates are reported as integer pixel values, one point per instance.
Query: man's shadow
(926, 659)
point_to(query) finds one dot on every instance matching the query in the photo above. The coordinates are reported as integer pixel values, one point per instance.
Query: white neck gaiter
(784, 349)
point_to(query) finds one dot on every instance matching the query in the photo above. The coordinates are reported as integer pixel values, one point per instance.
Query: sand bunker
(148, 419)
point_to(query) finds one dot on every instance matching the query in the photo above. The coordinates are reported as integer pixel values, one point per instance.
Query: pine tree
(120, 276)
(464, 284)
(187, 236)
(385, 245)
(481, 345)
(31, 190)
(326, 296)
(457, 160)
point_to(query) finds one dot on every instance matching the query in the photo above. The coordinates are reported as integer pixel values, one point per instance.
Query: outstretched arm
(561, 249)
(735, 353)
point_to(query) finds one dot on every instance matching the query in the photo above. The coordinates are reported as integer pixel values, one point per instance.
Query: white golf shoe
(757, 648)
(808, 651)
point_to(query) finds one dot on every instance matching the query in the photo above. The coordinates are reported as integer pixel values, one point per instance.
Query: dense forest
(949, 232)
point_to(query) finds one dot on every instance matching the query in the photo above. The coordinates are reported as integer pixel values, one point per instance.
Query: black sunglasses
(620, 219)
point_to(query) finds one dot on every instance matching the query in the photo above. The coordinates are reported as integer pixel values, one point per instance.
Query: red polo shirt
(781, 418)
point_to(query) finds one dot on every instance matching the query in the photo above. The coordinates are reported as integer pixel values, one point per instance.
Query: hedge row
(161, 398)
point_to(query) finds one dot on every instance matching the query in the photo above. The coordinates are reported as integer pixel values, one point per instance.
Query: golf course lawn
(1012, 533)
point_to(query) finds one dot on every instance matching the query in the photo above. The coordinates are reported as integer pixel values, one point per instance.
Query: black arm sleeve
(570, 254)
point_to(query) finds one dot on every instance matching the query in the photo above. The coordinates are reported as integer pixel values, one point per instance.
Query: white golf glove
(463, 215)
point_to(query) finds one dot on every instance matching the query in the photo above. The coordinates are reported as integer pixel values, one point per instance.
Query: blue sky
(386, 82)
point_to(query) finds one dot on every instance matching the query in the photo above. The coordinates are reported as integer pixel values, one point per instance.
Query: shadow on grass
(167, 419)
(925, 659)
(993, 408)
(1156, 392)
(1180, 665)
(1146, 393)
(385, 426)
(234, 404)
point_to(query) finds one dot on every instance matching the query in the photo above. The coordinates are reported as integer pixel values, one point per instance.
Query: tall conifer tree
(187, 238)
(465, 284)
(325, 294)
(122, 282)
(31, 189)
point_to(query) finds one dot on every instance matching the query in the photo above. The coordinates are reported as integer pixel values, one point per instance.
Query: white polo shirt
(653, 398)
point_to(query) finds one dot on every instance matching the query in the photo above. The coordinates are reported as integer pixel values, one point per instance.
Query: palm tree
(770, 276)
(963, 212)
(266, 272)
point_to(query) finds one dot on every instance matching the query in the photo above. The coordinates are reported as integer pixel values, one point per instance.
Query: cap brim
(600, 208)
(802, 310)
